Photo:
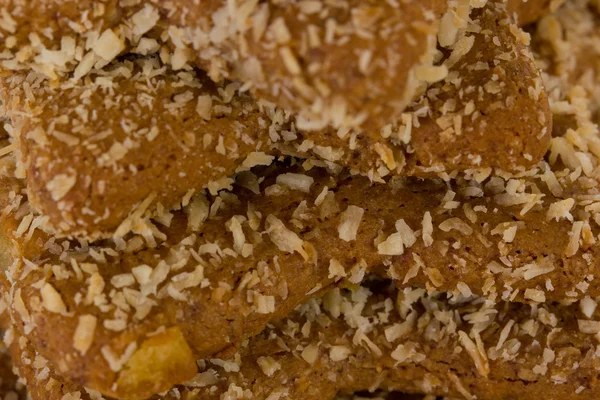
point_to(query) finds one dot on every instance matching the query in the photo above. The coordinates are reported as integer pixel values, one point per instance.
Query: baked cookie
(82, 142)
(234, 262)
(366, 53)
(375, 336)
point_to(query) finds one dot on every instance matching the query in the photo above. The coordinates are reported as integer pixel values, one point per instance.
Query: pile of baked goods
(299, 199)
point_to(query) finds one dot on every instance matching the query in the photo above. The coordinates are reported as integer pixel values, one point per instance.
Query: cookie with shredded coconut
(348, 61)
(59, 37)
(406, 340)
(43, 382)
(234, 262)
(378, 337)
(137, 137)
(116, 330)
(491, 110)
(82, 142)
(450, 132)
(131, 137)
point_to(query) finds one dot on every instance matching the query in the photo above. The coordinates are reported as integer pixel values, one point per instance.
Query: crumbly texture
(164, 134)
(378, 337)
(310, 224)
(265, 45)
(92, 151)
(490, 111)
(567, 46)
(349, 63)
(234, 262)
(531, 10)
(270, 287)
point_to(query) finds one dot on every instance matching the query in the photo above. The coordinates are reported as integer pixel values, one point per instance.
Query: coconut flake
(299, 182)
(84, 333)
(285, 239)
(349, 223)
(51, 299)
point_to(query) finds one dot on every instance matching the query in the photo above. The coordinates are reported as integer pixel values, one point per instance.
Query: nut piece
(161, 362)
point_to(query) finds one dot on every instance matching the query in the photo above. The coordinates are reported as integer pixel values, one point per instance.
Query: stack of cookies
(277, 199)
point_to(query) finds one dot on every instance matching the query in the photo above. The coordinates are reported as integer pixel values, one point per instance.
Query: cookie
(185, 133)
(234, 262)
(378, 337)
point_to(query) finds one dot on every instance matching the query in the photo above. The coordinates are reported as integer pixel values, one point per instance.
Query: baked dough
(246, 258)
(258, 43)
(163, 134)
(378, 337)
(351, 63)
(303, 278)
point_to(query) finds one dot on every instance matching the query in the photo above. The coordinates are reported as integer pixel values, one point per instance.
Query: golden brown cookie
(319, 55)
(377, 337)
(43, 382)
(234, 262)
(346, 63)
(491, 111)
(353, 63)
(530, 276)
(464, 349)
(492, 108)
(135, 133)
